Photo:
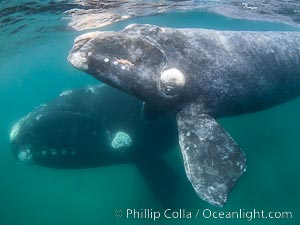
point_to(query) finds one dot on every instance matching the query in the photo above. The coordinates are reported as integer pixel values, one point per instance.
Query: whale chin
(25, 156)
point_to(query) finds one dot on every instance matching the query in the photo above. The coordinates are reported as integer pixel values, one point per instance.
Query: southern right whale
(90, 127)
(98, 126)
(199, 75)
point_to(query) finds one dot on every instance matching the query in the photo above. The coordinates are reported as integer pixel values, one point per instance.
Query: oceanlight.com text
(245, 214)
(201, 214)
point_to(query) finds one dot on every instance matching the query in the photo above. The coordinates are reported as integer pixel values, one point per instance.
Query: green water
(33, 195)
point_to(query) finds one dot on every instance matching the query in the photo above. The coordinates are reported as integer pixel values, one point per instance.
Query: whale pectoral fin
(213, 162)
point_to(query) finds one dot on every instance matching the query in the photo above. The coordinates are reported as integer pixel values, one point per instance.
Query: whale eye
(171, 82)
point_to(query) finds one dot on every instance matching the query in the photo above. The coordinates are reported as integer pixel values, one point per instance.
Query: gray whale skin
(199, 75)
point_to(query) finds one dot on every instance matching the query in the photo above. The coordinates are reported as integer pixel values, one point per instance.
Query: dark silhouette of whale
(98, 126)
(199, 75)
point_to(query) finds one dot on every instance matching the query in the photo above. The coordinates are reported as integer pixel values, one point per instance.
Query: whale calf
(98, 126)
(199, 75)
(90, 127)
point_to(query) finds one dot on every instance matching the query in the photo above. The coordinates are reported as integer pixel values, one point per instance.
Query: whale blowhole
(171, 82)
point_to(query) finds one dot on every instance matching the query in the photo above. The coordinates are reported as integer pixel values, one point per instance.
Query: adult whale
(98, 126)
(200, 75)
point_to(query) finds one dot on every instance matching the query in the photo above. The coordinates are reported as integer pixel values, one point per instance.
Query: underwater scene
(139, 112)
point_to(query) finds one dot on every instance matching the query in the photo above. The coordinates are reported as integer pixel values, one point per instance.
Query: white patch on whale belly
(121, 142)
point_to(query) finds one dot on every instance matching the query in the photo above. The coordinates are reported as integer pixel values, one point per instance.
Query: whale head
(48, 139)
(51, 137)
(130, 62)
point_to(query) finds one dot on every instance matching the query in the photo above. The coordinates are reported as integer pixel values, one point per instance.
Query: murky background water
(34, 69)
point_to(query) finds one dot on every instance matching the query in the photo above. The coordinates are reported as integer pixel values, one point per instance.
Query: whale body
(90, 127)
(99, 126)
(199, 75)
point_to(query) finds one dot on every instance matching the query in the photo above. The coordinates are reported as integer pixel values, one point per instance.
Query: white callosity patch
(67, 92)
(124, 64)
(15, 130)
(25, 156)
(121, 141)
(249, 6)
(53, 152)
(171, 82)
(85, 37)
(91, 89)
(43, 105)
(38, 117)
(79, 60)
